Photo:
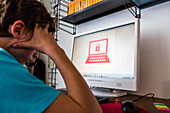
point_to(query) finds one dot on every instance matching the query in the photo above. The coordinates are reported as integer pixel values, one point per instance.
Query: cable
(145, 96)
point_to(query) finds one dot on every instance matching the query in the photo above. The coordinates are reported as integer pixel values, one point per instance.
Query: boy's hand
(41, 40)
(32, 63)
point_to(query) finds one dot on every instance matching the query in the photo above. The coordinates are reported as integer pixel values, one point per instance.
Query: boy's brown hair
(31, 12)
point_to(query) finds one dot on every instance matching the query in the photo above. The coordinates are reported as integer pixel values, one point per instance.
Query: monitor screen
(109, 58)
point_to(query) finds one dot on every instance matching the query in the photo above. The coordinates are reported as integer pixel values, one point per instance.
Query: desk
(145, 103)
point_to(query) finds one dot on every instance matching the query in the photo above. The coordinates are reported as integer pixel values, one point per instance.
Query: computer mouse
(129, 107)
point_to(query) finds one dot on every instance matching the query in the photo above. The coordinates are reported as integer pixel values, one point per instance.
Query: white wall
(155, 50)
(155, 47)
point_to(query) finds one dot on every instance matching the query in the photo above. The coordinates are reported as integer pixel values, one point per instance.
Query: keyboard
(98, 98)
(102, 100)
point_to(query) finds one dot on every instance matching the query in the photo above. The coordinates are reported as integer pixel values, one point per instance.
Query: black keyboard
(99, 98)
(102, 100)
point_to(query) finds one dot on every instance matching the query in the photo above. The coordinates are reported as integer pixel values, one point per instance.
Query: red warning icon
(97, 47)
(98, 51)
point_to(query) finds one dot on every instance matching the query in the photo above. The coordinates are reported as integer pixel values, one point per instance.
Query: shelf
(104, 8)
(147, 3)
(95, 11)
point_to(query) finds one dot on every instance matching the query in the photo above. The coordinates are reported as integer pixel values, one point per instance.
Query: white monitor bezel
(122, 84)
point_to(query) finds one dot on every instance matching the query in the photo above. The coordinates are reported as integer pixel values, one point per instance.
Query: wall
(155, 51)
(154, 45)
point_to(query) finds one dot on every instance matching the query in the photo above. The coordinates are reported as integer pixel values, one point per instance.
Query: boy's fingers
(20, 45)
(47, 27)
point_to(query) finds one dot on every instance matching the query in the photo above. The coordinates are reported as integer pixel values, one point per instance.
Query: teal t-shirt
(20, 91)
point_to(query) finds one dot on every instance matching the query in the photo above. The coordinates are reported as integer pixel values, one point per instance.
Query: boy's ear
(17, 28)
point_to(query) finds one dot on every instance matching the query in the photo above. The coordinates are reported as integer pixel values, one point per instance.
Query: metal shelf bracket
(59, 8)
(132, 7)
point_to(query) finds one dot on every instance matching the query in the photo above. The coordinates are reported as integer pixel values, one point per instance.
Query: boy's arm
(32, 63)
(79, 99)
(30, 67)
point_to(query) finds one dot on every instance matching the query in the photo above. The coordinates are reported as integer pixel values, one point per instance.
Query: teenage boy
(26, 27)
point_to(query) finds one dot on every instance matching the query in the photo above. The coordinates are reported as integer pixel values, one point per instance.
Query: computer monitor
(108, 59)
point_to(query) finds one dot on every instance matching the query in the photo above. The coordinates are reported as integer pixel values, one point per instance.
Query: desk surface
(145, 103)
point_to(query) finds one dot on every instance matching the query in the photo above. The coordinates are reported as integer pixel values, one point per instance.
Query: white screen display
(107, 54)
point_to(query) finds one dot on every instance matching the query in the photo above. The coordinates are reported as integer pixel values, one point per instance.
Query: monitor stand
(104, 92)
